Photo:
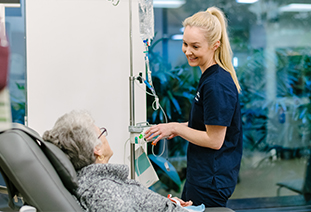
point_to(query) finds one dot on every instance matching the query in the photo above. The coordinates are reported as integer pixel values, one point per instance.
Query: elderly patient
(102, 186)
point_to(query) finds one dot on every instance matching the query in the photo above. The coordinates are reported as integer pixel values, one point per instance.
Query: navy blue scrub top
(216, 103)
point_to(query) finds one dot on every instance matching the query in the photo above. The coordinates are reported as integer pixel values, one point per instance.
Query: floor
(260, 173)
(257, 189)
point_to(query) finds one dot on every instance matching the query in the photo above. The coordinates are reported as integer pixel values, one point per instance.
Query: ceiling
(239, 15)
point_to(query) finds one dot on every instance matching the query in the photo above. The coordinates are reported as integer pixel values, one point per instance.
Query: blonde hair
(214, 23)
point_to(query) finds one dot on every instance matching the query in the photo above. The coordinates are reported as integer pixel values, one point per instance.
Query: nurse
(214, 130)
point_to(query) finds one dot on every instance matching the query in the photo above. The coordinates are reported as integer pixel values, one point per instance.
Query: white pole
(132, 104)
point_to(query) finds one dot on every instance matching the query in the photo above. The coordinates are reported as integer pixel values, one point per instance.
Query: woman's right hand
(161, 131)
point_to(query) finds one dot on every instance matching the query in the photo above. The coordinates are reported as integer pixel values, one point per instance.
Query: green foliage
(264, 116)
(175, 88)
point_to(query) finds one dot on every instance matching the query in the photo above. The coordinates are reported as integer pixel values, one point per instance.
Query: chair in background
(301, 186)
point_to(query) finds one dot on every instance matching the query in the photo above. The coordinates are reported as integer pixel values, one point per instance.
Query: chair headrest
(56, 156)
(62, 165)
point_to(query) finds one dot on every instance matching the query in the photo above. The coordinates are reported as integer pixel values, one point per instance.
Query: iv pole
(132, 109)
(136, 130)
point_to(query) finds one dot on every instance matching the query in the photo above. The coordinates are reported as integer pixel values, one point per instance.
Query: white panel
(78, 57)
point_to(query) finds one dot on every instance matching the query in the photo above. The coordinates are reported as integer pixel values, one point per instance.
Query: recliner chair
(36, 171)
(38, 174)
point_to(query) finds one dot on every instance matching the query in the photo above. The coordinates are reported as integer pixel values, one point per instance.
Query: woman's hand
(183, 203)
(213, 137)
(161, 131)
(179, 201)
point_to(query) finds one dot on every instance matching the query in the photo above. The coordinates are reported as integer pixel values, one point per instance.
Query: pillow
(62, 165)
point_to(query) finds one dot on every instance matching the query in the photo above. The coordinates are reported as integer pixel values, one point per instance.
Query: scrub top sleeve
(218, 104)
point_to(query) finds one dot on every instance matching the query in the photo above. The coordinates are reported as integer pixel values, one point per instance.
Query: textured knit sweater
(106, 187)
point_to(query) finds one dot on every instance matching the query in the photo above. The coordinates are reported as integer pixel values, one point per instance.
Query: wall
(78, 57)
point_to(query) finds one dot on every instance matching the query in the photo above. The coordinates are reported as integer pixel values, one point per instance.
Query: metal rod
(132, 106)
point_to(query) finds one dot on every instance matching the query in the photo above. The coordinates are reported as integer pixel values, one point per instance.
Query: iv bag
(146, 19)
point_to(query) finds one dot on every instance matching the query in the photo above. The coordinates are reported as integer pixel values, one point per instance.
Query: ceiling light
(296, 8)
(235, 62)
(246, 1)
(10, 3)
(168, 3)
(177, 37)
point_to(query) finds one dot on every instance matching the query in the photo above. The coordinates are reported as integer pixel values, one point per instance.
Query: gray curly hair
(74, 133)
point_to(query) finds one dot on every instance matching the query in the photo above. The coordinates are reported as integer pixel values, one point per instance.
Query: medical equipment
(146, 27)
(151, 88)
(138, 133)
(146, 19)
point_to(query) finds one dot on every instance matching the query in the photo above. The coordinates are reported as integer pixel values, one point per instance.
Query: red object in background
(4, 62)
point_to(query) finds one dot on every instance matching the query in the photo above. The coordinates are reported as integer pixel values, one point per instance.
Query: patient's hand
(183, 203)
(179, 201)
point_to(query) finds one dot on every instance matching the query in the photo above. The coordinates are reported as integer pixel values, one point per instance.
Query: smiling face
(196, 48)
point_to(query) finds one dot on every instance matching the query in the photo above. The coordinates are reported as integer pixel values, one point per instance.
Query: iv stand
(134, 129)
(132, 108)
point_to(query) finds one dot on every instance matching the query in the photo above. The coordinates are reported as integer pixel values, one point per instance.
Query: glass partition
(270, 40)
(15, 29)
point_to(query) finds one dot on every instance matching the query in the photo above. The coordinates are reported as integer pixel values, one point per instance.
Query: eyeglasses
(103, 132)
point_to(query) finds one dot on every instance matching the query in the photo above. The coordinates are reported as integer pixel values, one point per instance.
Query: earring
(100, 158)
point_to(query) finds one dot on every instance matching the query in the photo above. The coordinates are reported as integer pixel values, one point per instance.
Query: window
(15, 29)
(271, 45)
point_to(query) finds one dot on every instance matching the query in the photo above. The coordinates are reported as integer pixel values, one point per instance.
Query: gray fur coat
(106, 187)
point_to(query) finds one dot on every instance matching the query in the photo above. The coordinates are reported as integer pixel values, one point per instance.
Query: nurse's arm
(213, 137)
